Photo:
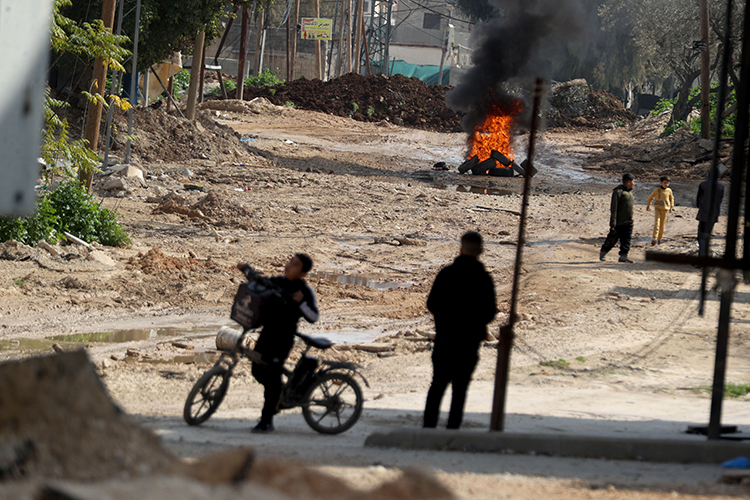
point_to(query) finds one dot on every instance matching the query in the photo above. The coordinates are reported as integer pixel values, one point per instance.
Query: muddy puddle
(135, 335)
(183, 335)
(474, 189)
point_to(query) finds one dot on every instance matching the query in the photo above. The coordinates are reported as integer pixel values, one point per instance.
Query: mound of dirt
(412, 103)
(642, 151)
(397, 99)
(155, 262)
(575, 103)
(169, 138)
(57, 421)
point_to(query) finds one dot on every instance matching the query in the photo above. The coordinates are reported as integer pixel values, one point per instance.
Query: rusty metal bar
(505, 343)
(723, 77)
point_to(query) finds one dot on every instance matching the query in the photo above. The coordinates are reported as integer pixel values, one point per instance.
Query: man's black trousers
(622, 233)
(270, 376)
(457, 372)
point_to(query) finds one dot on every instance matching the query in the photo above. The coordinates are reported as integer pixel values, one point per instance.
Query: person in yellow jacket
(663, 204)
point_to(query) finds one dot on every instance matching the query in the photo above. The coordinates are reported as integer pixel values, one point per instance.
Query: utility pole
(243, 54)
(318, 52)
(705, 73)
(195, 75)
(259, 43)
(94, 115)
(387, 54)
(289, 46)
(295, 36)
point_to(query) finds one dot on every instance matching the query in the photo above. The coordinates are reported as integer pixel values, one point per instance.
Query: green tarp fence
(428, 74)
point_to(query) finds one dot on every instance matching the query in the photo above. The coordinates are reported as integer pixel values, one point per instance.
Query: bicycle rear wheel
(206, 395)
(334, 404)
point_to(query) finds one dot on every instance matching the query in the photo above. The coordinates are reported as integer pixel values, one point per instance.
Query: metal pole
(114, 90)
(506, 331)
(727, 283)
(133, 83)
(723, 77)
(243, 54)
(169, 94)
(740, 136)
(318, 53)
(387, 53)
(726, 276)
(262, 50)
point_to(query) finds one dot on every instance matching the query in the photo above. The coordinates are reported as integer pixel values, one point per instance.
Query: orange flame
(495, 132)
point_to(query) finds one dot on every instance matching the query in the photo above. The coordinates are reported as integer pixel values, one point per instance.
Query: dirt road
(602, 348)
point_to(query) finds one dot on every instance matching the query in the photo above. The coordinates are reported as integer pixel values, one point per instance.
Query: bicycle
(330, 397)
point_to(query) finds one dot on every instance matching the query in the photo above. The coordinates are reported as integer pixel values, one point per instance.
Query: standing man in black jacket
(620, 219)
(462, 300)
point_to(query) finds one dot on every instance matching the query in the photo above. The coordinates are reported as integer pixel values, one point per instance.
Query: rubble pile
(164, 137)
(575, 103)
(401, 100)
(682, 156)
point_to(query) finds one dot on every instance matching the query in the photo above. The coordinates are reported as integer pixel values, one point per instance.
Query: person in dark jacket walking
(707, 216)
(620, 219)
(462, 300)
(277, 336)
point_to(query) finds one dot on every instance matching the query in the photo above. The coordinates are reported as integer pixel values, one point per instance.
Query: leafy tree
(476, 10)
(166, 26)
(664, 32)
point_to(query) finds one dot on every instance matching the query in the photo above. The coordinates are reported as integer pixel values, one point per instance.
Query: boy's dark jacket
(621, 208)
(462, 300)
(277, 337)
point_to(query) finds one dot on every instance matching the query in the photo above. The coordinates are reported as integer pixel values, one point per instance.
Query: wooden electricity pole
(243, 54)
(259, 45)
(705, 73)
(94, 115)
(318, 62)
(295, 36)
(195, 75)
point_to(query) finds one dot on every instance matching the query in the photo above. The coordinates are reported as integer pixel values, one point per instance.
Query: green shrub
(663, 105)
(229, 85)
(29, 230)
(180, 83)
(264, 79)
(69, 208)
(289, 104)
(370, 111)
(355, 107)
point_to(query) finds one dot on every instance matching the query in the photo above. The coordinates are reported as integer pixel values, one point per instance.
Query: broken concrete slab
(101, 257)
(116, 183)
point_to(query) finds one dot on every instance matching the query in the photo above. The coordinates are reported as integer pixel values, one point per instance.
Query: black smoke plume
(527, 39)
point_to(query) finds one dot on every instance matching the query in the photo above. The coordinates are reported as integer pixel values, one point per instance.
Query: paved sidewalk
(688, 449)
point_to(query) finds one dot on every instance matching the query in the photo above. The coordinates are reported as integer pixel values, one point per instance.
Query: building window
(431, 21)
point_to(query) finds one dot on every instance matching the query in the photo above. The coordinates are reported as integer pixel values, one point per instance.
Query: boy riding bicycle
(277, 336)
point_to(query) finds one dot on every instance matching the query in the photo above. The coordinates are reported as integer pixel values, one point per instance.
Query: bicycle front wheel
(206, 395)
(334, 405)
